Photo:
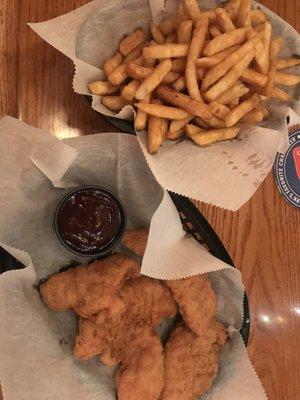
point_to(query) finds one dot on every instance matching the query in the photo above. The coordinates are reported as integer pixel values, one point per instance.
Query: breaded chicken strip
(141, 375)
(136, 241)
(91, 290)
(191, 361)
(147, 302)
(197, 301)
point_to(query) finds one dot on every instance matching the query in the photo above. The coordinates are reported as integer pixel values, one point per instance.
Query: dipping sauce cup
(90, 221)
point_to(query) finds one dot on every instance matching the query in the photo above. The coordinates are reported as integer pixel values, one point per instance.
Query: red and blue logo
(287, 170)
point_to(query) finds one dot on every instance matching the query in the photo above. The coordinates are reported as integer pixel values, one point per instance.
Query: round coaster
(287, 169)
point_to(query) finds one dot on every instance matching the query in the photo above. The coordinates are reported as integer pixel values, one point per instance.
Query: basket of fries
(202, 82)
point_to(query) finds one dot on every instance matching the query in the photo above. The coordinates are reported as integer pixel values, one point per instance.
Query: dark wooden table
(263, 238)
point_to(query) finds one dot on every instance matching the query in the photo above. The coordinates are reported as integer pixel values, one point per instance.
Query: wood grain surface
(263, 238)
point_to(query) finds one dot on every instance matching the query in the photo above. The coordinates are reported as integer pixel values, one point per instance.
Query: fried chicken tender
(191, 361)
(147, 302)
(91, 290)
(197, 301)
(136, 241)
(141, 375)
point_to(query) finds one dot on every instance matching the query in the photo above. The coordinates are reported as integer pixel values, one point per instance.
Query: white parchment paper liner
(226, 174)
(36, 360)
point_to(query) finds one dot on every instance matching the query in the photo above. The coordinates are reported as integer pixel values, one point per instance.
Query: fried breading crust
(191, 361)
(136, 241)
(197, 301)
(91, 290)
(141, 375)
(147, 302)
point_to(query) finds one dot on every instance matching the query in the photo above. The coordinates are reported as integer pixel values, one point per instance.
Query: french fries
(112, 63)
(241, 110)
(225, 41)
(114, 103)
(156, 33)
(224, 20)
(168, 50)
(141, 118)
(132, 41)
(184, 32)
(207, 138)
(154, 79)
(193, 10)
(230, 78)
(285, 63)
(162, 111)
(102, 88)
(195, 49)
(183, 101)
(244, 14)
(199, 75)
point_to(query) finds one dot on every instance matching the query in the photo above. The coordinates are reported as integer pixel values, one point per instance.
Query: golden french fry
(112, 63)
(191, 130)
(287, 79)
(253, 117)
(218, 71)
(114, 103)
(132, 41)
(202, 124)
(258, 17)
(180, 84)
(184, 32)
(210, 14)
(287, 63)
(207, 138)
(184, 102)
(180, 15)
(254, 78)
(219, 110)
(118, 75)
(168, 50)
(171, 38)
(232, 94)
(157, 130)
(139, 61)
(224, 20)
(241, 110)
(102, 88)
(232, 8)
(129, 91)
(234, 103)
(178, 124)
(206, 62)
(171, 77)
(162, 111)
(215, 122)
(138, 72)
(193, 10)
(214, 31)
(196, 47)
(179, 65)
(134, 54)
(175, 135)
(167, 26)
(274, 51)
(150, 62)
(200, 72)
(141, 117)
(230, 78)
(280, 94)
(154, 79)
(225, 41)
(243, 16)
(263, 109)
(156, 33)
(262, 53)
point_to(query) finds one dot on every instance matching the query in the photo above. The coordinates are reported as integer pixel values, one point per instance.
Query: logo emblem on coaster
(287, 170)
